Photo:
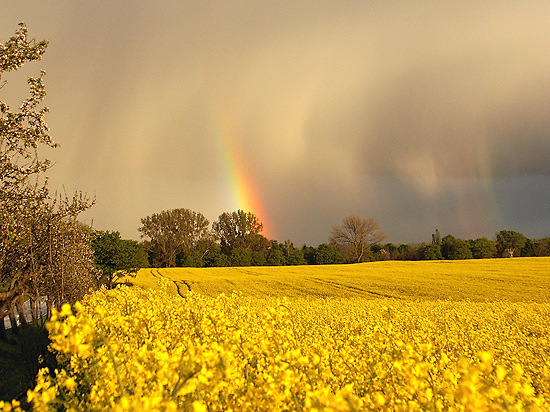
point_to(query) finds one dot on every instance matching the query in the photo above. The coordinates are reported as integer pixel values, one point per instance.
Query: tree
(62, 259)
(528, 250)
(275, 257)
(241, 257)
(295, 256)
(455, 249)
(431, 251)
(258, 258)
(215, 258)
(327, 255)
(309, 254)
(354, 238)
(483, 248)
(116, 257)
(193, 259)
(436, 237)
(43, 249)
(258, 242)
(446, 245)
(542, 247)
(376, 252)
(391, 249)
(510, 243)
(174, 231)
(460, 250)
(238, 229)
(198, 256)
(20, 135)
(404, 252)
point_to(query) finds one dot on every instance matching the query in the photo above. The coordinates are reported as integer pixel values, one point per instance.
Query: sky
(423, 115)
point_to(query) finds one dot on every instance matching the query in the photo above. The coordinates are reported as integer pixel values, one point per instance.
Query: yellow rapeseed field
(412, 336)
(517, 280)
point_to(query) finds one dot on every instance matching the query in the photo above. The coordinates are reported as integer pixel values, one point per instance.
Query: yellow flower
(199, 407)
(66, 310)
(141, 350)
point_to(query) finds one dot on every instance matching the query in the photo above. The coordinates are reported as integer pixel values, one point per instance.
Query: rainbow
(242, 189)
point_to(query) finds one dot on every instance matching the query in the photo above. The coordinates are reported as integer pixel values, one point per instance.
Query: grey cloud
(407, 112)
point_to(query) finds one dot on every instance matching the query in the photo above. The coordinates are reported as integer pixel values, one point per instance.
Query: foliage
(483, 248)
(238, 229)
(241, 257)
(455, 249)
(460, 250)
(275, 257)
(21, 132)
(258, 258)
(357, 240)
(327, 255)
(115, 256)
(174, 231)
(404, 252)
(528, 250)
(43, 250)
(119, 351)
(510, 243)
(436, 237)
(296, 257)
(355, 236)
(194, 259)
(542, 247)
(309, 254)
(62, 259)
(376, 251)
(431, 251)
(446, 245)
(215, 258)
(391, 250)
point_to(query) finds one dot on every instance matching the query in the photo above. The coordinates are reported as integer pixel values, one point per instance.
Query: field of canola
(149, 349)
(516, 280)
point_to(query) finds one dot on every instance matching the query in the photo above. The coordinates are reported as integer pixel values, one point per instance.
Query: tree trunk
(3, 335)
(21, 312)
(49, 307)
(13, 321)
(34, 313)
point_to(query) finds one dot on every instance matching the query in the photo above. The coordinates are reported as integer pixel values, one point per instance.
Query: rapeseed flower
(143, 350)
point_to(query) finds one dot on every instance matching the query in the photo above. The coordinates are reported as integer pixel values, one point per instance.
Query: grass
(515, 280)
(21, 355)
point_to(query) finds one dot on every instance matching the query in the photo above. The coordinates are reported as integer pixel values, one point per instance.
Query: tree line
(507, 243)
(181, 237)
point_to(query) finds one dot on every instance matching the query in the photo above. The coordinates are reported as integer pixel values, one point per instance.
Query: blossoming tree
(42, 250)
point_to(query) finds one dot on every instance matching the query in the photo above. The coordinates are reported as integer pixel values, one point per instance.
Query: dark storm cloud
(419, 114)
